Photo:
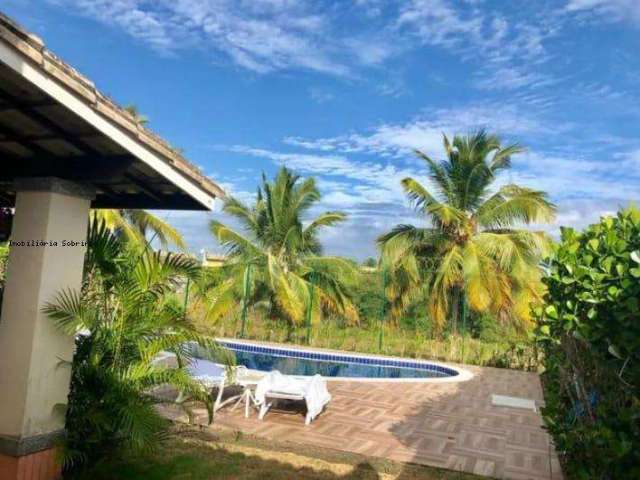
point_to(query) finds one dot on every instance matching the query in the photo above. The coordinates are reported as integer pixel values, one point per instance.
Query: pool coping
(463, 375)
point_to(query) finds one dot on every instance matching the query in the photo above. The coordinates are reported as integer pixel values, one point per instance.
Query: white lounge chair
(276, 386)
(212, 375)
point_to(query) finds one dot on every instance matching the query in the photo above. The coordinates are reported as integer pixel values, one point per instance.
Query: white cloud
(566, 177)
(439, 23)
(372, 8)
(607, 10)
(608, 96)
(512, 78)
(319, 95)
(507, 52)
(368, 182)
(394, 86)
(260, 35)
(274, 35)
(579, 213)
(629, 163)
(371, 53)
(425, 132)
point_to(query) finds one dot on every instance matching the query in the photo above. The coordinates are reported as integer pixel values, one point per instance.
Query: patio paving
(447, 425)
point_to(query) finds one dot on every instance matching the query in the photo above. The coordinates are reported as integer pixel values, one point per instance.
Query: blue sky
(345, 90)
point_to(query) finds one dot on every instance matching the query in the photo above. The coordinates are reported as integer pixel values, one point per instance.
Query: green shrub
(368, 297)
(128, 314)
(590, 333)
(4, 257)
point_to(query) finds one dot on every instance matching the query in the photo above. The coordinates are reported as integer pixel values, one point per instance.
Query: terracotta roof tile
(34, 48)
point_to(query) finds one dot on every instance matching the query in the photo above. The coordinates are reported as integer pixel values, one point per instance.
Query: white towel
(316, 395)
(313, 390)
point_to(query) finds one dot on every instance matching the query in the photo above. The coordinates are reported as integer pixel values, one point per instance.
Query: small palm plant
(278, 263)
(135, 113)
(125, 315)
(474, 250)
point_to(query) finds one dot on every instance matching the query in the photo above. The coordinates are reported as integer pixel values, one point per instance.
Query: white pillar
(32, 382)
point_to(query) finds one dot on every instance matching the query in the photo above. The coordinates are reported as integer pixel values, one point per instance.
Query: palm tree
(135, 225)
(125, 314)
(473, 252)
(277, 262)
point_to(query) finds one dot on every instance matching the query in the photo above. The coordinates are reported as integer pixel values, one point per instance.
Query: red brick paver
(448, 425)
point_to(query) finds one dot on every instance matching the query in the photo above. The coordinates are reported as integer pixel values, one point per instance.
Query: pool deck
(447, 425)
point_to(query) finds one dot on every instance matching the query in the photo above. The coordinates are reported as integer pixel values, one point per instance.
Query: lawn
(191, 454)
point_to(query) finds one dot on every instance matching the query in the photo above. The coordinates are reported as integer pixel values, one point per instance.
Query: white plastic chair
(215, 376)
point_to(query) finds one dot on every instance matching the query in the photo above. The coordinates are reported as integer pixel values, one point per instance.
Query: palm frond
(448, 275)
(232, 240)
(116, 222)
(147, 223)
(70, 313)
(438, 174)
(513, 205)
(327, 219)
(246, 215)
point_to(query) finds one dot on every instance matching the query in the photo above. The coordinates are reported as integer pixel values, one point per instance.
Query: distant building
(212, 260)
(367, 269)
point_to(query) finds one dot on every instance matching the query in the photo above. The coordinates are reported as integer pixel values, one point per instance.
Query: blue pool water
(301, 362)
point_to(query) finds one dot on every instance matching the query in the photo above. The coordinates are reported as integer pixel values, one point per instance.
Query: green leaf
(613, 350)
(635, 256)
(635, 272)
(551, 312)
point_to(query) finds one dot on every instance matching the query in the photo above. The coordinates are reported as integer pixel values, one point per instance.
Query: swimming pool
(339, 365)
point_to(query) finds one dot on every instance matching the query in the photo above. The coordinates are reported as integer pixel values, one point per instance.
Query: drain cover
(513, 402)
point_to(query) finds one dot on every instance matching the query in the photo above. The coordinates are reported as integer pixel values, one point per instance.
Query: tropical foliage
(472, 252)
(140, 226)
(276, 263)
(494, 346)
(590, 334)
(4, 257)
(124, 316)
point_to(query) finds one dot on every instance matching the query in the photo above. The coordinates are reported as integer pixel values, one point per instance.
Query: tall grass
(397, 341)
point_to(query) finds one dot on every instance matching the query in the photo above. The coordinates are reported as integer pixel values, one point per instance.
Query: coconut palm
(474, 251)
(277, 261)
(125, 314)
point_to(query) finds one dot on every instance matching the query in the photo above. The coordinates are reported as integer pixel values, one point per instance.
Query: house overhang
(55, 123)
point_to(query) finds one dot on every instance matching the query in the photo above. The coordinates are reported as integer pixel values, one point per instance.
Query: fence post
(384, 308)
(464, 321)
(245, 297)
(310, 308)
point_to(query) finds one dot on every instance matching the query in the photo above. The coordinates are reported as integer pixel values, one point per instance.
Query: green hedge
(590, 333)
